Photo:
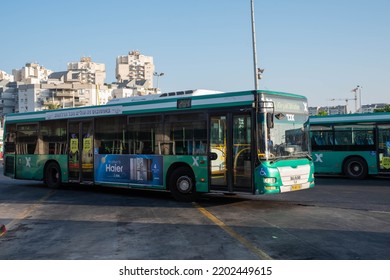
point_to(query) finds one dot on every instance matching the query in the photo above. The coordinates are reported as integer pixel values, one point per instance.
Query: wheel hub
(184, 184)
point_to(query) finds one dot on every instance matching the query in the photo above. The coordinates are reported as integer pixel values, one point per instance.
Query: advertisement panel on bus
(129, 169)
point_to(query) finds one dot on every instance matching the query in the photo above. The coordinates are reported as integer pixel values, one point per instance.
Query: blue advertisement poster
(129, 169)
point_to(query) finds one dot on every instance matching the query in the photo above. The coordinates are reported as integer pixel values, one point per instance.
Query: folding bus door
(230, 140)
(80, 156)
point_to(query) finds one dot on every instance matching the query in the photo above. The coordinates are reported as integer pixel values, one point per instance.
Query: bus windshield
(288, 134)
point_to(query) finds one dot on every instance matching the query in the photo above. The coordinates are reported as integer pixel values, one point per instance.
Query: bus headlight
(270, 180)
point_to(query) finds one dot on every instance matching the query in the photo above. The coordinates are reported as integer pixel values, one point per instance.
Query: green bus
(355, 145)
(187, 142)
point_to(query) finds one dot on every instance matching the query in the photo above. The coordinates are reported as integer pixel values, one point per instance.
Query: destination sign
(287, 105)
(184, 103)
(83, 112)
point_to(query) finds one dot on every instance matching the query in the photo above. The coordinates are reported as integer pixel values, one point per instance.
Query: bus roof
(173, 101)
(150, 97)
(188, 93)
(351, 118)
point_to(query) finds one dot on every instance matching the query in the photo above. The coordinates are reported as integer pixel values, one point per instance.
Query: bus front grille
(294, 175)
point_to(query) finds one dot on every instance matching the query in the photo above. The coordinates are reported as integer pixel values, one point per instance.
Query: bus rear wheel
(355, 168)
(53, 175)
(182, 184)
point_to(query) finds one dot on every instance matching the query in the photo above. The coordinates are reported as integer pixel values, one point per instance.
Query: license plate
(296, 187)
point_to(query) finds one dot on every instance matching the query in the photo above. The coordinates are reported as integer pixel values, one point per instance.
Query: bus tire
(355, 168)
(53, 175)
(182, 184)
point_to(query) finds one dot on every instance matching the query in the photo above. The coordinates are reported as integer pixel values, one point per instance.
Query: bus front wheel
(53, 175)
(182, 184)
(355, 168)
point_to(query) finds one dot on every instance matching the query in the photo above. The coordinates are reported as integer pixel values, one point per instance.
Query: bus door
(80, 156)
(230, 140)
(384, 148)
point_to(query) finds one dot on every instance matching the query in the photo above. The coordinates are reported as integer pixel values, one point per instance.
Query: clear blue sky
(321, 49)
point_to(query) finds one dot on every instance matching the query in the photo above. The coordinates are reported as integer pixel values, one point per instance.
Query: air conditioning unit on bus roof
(149, 97)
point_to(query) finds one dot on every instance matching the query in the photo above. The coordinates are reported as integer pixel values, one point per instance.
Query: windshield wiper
(306, 155)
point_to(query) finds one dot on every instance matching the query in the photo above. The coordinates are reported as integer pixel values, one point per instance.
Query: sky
(320, 49)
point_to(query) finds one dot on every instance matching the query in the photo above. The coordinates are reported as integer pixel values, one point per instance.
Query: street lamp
(256, 71)
(158, 75)
(360, 99)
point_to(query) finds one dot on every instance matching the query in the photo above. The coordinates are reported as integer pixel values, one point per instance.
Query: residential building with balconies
(135, 71)
(5, 76)
(31, 73)
(87, 72)
(81, 85)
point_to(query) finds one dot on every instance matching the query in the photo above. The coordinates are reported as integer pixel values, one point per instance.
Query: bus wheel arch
(355, 167)
(181, 182)
(52, 174)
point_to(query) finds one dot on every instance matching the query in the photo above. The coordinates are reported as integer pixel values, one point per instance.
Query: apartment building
(330, 110)
(6, 76)
(370, 108)
(87, 72)
(8, 97)
(31, 73)
(135, 71)
(40, 89)
(35, 88)
(58, 92)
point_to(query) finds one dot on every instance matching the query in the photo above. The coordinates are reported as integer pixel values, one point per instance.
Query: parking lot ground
(337, 220)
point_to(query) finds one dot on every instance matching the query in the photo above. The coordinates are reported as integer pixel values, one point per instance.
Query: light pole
(360, 99)
(256, 71)
(158, 75)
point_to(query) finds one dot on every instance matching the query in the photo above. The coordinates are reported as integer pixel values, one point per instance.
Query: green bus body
(355, 145)
(185, 142)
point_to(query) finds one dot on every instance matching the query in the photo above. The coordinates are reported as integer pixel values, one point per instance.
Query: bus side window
(9, 146)
(144, 134)
(27, 139)
(185, 134)
(52, 137)
(322, 137)
(359, 140)
(318, 140)
(110, 135)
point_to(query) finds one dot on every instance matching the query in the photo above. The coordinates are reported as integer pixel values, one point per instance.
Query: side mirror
(213, 156)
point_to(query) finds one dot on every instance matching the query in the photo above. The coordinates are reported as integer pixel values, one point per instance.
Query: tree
(322, 113)
(384, 109)
(53, 106)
